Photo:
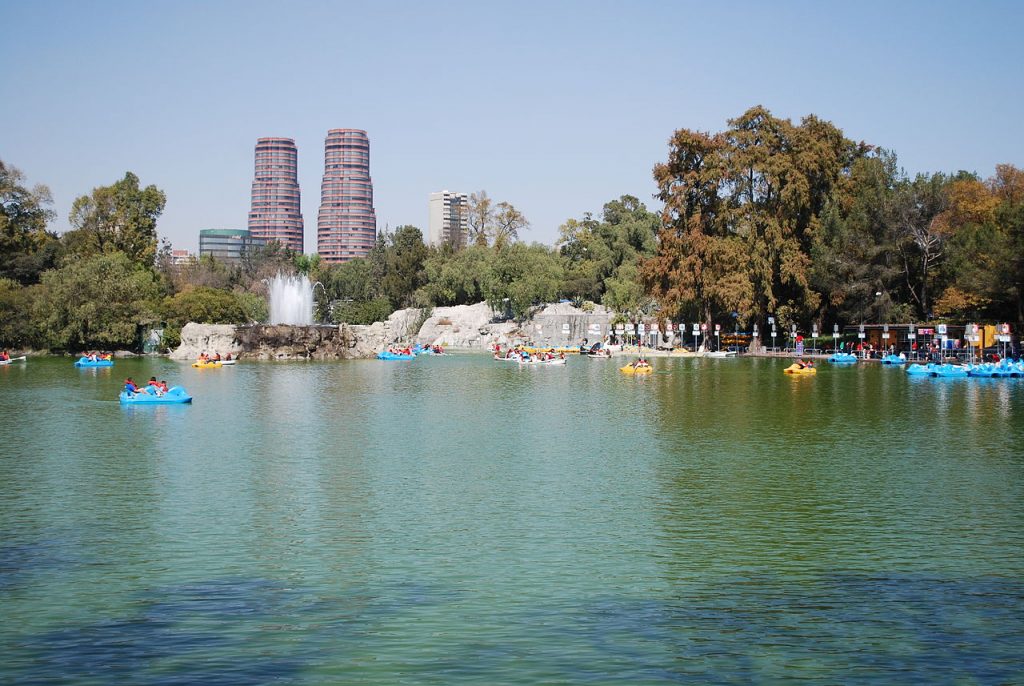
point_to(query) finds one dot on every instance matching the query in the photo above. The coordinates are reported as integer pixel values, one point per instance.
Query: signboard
(771, 320)
(926, 332)
(885, 328)
(942, 330)
(1003, 338)
(1004, 328)
(696, 329)
(861, 329)
(774, 333)
(620, 328)
(814, 331)
(703, 327)
(566, 328)
(911, 336)
(835, 335)
(681, 327)
(718, 327)
(643, 328)
(861, 335)
(835, 329)
(593, 328)
(885, 335)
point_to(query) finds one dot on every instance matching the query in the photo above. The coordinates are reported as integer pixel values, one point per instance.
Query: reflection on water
(455, 520)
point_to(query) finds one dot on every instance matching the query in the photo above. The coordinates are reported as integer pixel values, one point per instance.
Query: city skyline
(544, 90)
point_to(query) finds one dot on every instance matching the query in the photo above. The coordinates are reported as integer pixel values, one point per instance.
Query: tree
(17, 326)
(204, 306)
(404, 257)
(98, 302)
(523, 276)
(26, 247)
(117, 218)
(508, 222)
(917, 207)
(458, 278)
(480, 216)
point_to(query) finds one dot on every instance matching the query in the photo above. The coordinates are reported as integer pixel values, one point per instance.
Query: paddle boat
(209, 364)
(798, 370)
(842, 358)
(385, 355)
(227, 363)
(98, 362)
(721, 353)
(174, 395)
(636, 371)
(952, 371)
(13, 359)
(894, 359)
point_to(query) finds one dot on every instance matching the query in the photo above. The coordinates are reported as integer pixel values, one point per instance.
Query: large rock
(466, 326)
(208, 338)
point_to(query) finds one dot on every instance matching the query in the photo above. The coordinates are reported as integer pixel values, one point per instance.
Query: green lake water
(459, 520)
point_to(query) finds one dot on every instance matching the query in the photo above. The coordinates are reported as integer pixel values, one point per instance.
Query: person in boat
(640, 363)
(156, 385)
(92, 356)
(228, 358)
(216, 357)
(4, 357)
(130, 387)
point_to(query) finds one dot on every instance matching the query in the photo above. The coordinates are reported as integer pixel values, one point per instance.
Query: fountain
(291, 300)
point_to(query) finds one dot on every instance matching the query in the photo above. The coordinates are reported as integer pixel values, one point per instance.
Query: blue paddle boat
(843, 358)
(894, 359)
(385, 355)
(174, 395)
(921, 369)
(86, 362)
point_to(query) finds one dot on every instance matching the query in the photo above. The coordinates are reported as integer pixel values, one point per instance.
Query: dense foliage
(764, 218)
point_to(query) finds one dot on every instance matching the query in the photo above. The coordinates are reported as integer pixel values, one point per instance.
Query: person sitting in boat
(92, 356)
(156, 385)
(203, 358)
(228, 358)
(4, 357)
(216, 357)
(130, 387)
(640, 363)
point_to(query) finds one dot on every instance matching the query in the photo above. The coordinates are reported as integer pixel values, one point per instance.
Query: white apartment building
(449, 222)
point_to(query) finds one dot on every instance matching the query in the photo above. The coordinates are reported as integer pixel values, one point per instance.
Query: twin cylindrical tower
(346, 224)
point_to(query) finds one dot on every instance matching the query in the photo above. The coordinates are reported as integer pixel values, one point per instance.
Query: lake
(460, 520)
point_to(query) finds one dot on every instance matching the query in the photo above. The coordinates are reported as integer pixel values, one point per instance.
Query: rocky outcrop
(462, 326)
(209, 338)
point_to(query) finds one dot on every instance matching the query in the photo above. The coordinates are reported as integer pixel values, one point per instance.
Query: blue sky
(556, 107)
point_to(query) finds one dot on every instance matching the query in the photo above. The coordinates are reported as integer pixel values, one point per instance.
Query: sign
(911, 335)
(861, 335)
(942, 330)
(885, 335)
(861, 329)
(835, 335)
(885, 328)
(814, 331)
(835, 329)
(566, 328)
(774, 332)
(643, 328)
(696, 329)
(620, 328)
(771, 320)
(793, 329)
(718, 327)
(1004, 328)
(1003, 338)
(593, 328)
(682, 327)
(926, 332)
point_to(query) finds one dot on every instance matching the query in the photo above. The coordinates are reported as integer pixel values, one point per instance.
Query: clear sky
(556, 107)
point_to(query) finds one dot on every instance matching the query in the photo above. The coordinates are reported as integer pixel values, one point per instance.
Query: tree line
(765, 218)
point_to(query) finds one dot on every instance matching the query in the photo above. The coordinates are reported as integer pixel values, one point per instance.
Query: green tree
(204, 306)
(522, 277)
(26, 247)
(17, 326)
(102, 301)
(404, 256)
(458, 278)
(117, 218)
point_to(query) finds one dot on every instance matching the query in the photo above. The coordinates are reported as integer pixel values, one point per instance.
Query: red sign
(926, 332)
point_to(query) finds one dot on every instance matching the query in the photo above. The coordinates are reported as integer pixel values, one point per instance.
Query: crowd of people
(205, 358)
(519, 354)
(94, 356)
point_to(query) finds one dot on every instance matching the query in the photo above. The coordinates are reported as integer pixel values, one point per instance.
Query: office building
(346, 227)
(449, 220)
(276, 214)
(227, 244)
(180, 257)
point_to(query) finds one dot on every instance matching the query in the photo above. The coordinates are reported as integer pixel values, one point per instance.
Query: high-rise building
(276, 214)
(227, 244)
(449, 220)
(346, 227)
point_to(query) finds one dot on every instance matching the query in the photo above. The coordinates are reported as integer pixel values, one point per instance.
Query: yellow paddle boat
(797, 369)
(630, 369)
(207, 365)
